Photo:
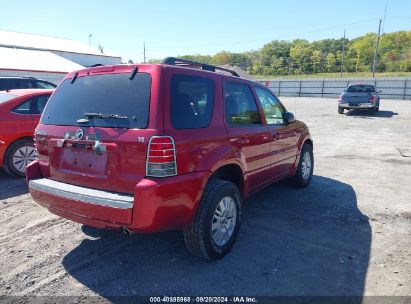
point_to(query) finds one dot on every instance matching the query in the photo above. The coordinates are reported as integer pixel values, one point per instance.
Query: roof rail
(195, 64)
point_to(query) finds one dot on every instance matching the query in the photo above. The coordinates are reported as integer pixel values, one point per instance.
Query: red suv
(178, 145)
(20, 112)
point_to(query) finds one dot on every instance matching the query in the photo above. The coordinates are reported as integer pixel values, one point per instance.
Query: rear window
(192, 101)
(102, 94)
(361, 88)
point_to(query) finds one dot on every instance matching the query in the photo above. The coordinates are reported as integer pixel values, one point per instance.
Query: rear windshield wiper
(102, 116)
(91, 116)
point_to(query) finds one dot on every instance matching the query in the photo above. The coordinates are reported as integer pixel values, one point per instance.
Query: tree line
(282, 57)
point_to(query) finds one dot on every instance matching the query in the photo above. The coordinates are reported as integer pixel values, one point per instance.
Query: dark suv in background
(153, 147)
(12, 83)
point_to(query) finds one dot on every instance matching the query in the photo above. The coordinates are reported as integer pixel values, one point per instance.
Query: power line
(263, 39)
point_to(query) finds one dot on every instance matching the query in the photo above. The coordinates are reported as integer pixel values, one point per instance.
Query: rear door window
(192, 100)
(108, 94)
(240, 106)
(39, 103)
(34, 105)
(23, 108)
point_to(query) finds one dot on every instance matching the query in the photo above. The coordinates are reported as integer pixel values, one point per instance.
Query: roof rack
(196, 65)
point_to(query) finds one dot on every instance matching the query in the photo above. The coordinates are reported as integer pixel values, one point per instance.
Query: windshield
(106, 94)
(361, 88)
(6, 97)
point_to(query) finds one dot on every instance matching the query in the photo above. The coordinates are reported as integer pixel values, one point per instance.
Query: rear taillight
(372, 98)
(161, 157)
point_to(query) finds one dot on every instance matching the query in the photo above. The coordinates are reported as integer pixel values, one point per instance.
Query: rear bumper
(364, 105)
(156, 205)
(82, 194)
(82, 202)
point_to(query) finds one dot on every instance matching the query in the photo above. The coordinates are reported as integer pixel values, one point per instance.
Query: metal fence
(391, 88)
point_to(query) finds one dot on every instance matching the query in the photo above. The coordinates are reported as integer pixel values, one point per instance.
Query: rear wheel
(215, 226)
(302, 177)
(340, 110)
(18, 155)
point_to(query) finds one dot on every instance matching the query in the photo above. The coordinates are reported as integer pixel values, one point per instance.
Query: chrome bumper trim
(358, 106)
(82, 194)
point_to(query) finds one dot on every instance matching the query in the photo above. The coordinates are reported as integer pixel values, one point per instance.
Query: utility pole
(374, 65)
(342, 56)
(144, 52)
(89, 38)
(289, 65)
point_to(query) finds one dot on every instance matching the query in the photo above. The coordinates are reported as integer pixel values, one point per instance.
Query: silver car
(359, 96)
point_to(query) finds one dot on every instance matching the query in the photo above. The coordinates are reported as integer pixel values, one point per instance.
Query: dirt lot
(346, 234)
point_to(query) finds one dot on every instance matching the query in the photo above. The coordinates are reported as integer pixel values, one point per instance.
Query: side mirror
(288, 117)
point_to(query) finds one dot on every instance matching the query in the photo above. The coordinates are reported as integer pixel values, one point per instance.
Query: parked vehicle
(20, 112)
(12, 83)
(152, 147)
(359, 96)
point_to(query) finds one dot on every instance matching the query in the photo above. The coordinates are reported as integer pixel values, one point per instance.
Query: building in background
(48, 58)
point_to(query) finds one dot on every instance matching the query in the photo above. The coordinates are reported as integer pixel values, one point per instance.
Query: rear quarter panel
(14, 126)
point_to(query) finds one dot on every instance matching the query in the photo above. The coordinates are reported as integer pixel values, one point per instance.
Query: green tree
(317, 60)
(280, 57)
(300, 55)
(331, 65)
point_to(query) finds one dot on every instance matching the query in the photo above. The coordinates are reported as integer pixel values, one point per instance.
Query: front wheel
(215, 226)
(305, 169)
(340, 110)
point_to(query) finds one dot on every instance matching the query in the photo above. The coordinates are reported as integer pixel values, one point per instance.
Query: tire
(302, 178)
(17, 156)
(200, 238)
(340, 110)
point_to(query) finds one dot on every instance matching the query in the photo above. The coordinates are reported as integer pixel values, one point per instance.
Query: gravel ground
(348, 233)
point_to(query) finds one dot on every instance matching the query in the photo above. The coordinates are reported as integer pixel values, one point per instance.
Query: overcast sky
(171, 28)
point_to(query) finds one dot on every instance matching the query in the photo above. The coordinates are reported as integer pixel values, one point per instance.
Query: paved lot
(346, 234)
